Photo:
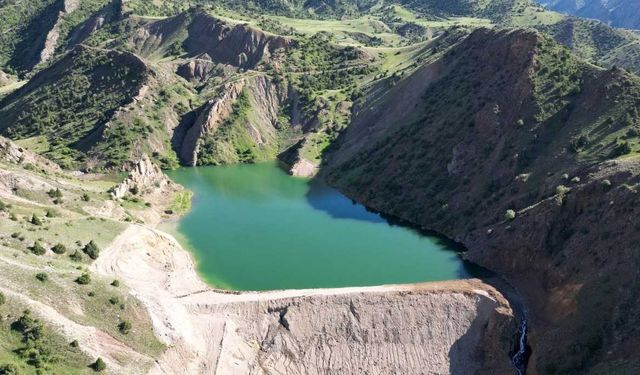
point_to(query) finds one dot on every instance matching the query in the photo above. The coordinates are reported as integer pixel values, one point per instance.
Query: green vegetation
(42, 277)
(92, 250)
(76, 256)
(72, 99)
(84, 279)
(38, 249)
(233, 141)
(124, 327)
(35, 220)
(99, 365)
(59, 248)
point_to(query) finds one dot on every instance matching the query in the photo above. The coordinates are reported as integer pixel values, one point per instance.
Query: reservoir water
(253, 227)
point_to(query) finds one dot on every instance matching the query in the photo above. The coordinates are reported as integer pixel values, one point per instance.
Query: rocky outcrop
(12, 153)
(51, 41)
(198, 69)
(264, 100)
(209, 118)
(143, 177)
(494, 156)
(237, 45)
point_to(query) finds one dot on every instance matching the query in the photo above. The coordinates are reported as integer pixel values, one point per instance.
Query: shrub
(114, 300)
(622, 148)
(76, 256)
(30, 328)
(115, 283)
(51, 213)
(38, 249)
(124, 327)
(3, 299)
(99, 365)
(9, 369)
(59, 249)
(84, 279)
(42, 276)
(55, 193)
(510, 215)
(92, 294)
(35, 220)
(13, 217)
(92, 250)
(85, 197)
(74, 344)
(134, 190)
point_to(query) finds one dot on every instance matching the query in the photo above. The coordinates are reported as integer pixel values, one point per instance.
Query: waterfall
(519, 359)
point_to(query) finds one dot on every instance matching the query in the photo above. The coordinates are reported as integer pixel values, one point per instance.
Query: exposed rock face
(414, 332)
(303, 168)
(197, 69)
(144, 176)
(237, 45)
(457, 145)
(265, 99)
(51, 41)
(15, 154)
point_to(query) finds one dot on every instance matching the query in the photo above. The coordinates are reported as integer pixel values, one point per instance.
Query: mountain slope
(617, 13)
(71, 102)
(517, 158)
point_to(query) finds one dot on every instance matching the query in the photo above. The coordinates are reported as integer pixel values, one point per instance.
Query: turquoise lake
(253, 227)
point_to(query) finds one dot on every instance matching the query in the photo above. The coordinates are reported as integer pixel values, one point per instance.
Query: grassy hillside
(54, 225)
(71, 102)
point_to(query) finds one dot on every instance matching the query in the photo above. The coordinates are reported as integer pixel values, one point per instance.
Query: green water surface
(253, 227)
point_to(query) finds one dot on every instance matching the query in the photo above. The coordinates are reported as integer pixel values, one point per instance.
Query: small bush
(35, 220)
(85, 197)
(38, 249)
(74, 344)
(59, 249)
(55, 193)
(92, 294)
(51, 213)
(99, 365)
(124, 327)
(43, 277)
(76, 256)
(92, 250)
(9, 369)
(510, 215)
(114, 300)
(622, 148)
(84, 279)
(3, 299)
(115, 283)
